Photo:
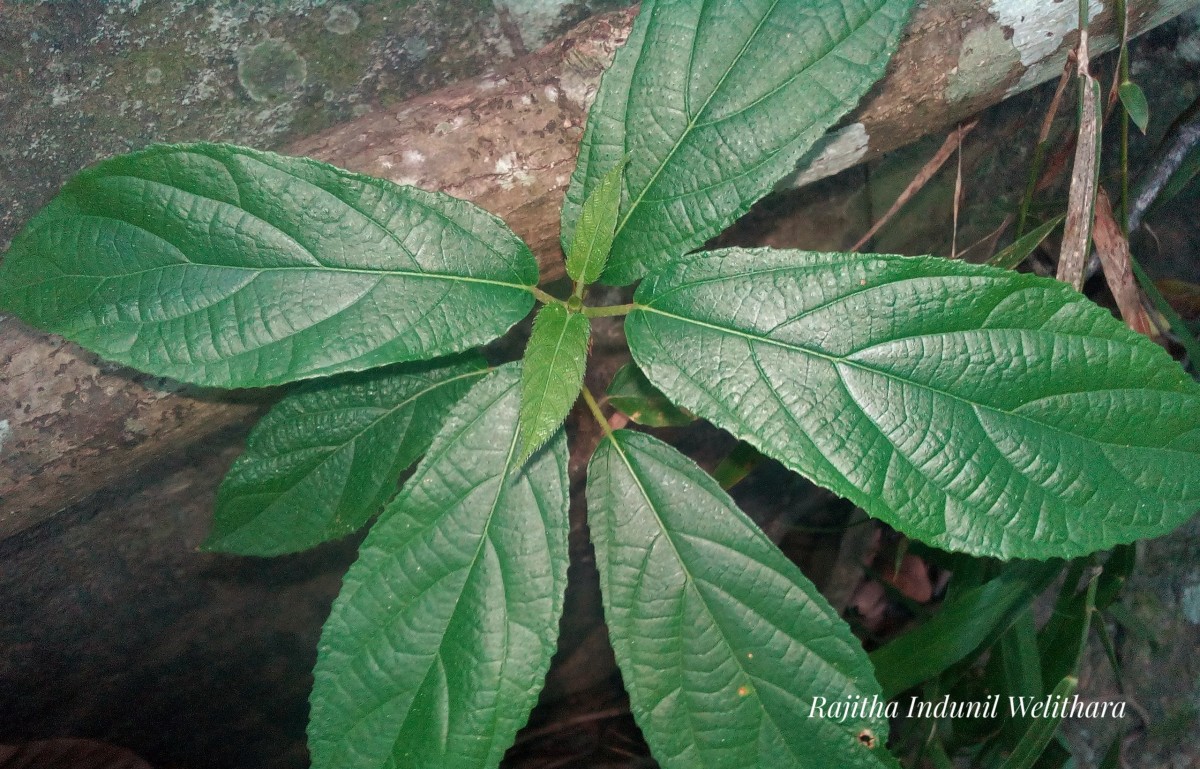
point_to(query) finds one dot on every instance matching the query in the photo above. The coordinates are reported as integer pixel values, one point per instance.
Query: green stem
(1122, 75)
(594, 407)
(609, 310)
(544, 297)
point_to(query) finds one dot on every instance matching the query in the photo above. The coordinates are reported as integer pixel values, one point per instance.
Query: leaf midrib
(691, 584)
(837, 360)
(562, 335)
(257, 270)
(370, 181)
(693, 120)
(474, 561)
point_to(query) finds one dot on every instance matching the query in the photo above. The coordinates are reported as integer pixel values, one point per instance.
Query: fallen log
(70, 424)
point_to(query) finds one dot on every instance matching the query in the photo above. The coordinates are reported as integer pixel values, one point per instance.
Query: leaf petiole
(594, 407)
(545, 297)
(609, 311)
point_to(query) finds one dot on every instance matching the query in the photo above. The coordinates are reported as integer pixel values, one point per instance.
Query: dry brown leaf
(1113, 250)
(952, 143)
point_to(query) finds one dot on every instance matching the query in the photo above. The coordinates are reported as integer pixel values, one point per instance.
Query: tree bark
(70, 423)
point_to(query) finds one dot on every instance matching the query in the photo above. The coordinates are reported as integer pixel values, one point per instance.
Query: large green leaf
(730, 656)
(437, 647)
(228, 267)
(712, 102)
(552, 373)
(971, 408)
(327, 457)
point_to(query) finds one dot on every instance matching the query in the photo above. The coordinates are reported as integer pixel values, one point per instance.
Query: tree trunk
(70, 424)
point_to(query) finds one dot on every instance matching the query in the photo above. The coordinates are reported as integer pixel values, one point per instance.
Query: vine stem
(609, 310)
(594, 407)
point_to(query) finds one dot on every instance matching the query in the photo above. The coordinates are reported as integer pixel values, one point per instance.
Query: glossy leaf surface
(1134, 101)
(435, 650)
(228, 267)
(713, 102)
(971, 408)
(724, 646)
(552, 373)
(595, 229)
(327, 457)
(631, 393)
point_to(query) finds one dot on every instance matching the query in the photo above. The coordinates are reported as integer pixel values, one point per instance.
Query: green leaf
(327, 457)
(631, 393)
(971, 408)
(1063, 640)
(972, 620)
(1041, 730)
(594, 231)
(228, 267)
(552, 374)
(1022, 247)
(439, 642)
(730, 655)
(1135, 104)
(713, 102)
(741, 460)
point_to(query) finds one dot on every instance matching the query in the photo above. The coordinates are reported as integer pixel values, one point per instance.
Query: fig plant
(973, 409)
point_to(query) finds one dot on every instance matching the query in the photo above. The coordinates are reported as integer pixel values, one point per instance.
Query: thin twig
(952, 142)
(989, 240)
(1039, 151)
(957, 200)
(559, 726)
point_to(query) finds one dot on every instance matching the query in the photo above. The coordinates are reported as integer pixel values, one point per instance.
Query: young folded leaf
(327, 457)
(730, 655)
(971, 408)
(438, 644)
(713, 102)
(552, 374)
(594, 230)
(228, 267)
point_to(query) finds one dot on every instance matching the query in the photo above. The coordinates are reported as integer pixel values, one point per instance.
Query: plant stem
(545, 298)
(609, 310)
(594, 407)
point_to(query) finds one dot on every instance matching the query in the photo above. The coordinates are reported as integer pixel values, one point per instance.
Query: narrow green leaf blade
(228, 267)
(970, 621)
(1134, 101)
(1022, 247)
(631, 393)
(552, 374)
(1041, 730)
(1063, 640)
(730, 655)
(713, 102)
(971, 408)
(327, 457)
(595, 229)
(439, 642)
